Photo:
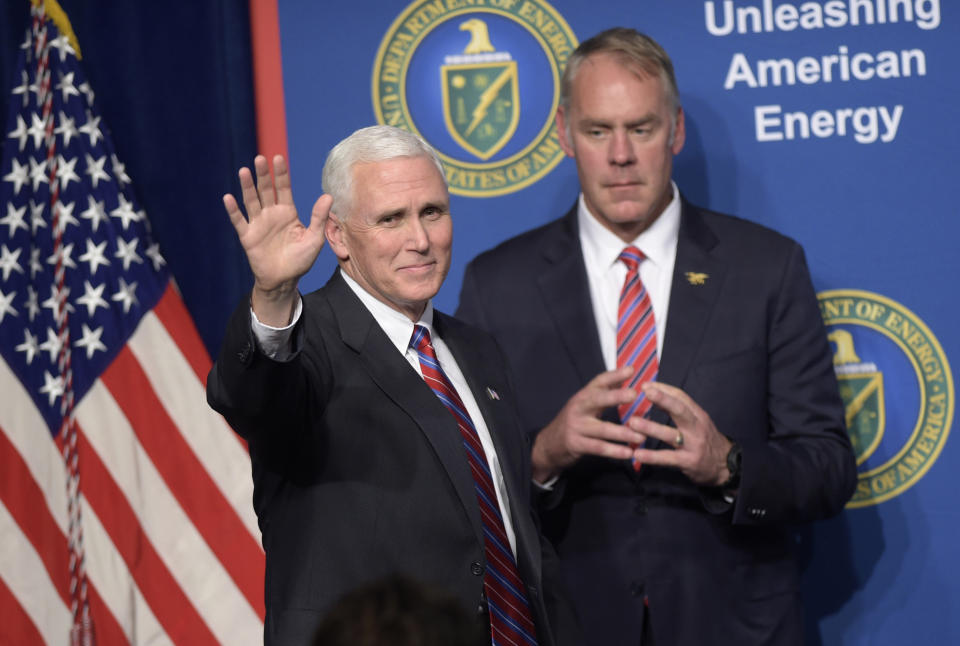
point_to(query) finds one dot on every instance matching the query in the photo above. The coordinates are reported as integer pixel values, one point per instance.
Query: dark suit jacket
(749, 346)
(359, 470)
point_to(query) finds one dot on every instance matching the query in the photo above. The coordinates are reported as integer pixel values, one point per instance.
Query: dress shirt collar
(657, 242)
(397, 326)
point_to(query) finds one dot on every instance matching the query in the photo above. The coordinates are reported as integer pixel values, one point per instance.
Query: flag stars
(66, 172)
(95, 256)
(6, 306)
(95, 170)
(52, 387)
(92, 298)
(20, 133)
(33, 308)
(88, 91)
(24, 89)
(119, 170)
(62, 43)
(17, 176)
(37, 130)
(91, 341)
(64, 217)
(38, 173)
(14, 219)
(61, 256)
(53, 344)
(36, 267)
(127, 252)
(8, 261)
(57, 299)
(92, 129)
(95, 213)
(66, 81)
(153, 252)
(126, 294)
(29, 347)
(36, 217)
(125, 213)
(67, 128)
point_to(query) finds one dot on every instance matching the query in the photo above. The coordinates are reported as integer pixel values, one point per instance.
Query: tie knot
(420, 339)
(631, 257)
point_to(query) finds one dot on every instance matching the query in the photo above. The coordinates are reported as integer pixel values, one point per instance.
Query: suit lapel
(566, 293)
(400, 382)
(507, 437)
(697, 280)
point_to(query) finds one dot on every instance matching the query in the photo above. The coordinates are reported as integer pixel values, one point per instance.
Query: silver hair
(369, 145)
(631, 48)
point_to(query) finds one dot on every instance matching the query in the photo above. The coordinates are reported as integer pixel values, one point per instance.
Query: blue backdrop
(830, 121)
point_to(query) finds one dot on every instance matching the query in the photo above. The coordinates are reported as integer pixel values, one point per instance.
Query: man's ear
(563, 132)
(336, 236)
(679, 133)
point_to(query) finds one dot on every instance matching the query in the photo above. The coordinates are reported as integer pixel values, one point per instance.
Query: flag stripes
(125, 502)
(119, 521)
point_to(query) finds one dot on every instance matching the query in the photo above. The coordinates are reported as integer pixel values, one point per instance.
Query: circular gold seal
(896, 386)
(480, 81)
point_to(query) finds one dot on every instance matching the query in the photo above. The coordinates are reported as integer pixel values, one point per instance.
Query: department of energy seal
(897, 388)
(480, 81)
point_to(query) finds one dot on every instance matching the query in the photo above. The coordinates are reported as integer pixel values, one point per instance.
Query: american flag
(125, 503)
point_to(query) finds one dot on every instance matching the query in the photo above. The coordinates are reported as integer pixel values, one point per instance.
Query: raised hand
(577, 430)
(279, 248)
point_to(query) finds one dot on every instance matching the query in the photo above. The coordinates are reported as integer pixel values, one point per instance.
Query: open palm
(279, 248)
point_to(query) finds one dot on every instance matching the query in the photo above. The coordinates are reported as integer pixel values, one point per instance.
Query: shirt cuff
(275, 342)
(546, 486)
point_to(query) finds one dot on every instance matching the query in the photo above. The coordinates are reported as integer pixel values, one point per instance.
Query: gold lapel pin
(696, 277)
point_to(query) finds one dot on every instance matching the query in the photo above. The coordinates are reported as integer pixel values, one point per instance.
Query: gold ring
(679, 440)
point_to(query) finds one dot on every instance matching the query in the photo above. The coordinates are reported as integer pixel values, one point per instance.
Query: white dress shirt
(605, 273)
(275, 343)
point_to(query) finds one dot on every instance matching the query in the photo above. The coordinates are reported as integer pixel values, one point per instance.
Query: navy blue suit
(748, 345)
(359, 469)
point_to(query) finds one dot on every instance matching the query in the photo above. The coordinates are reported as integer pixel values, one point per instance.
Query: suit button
(636, 589)
(640, 508)
(476, 568)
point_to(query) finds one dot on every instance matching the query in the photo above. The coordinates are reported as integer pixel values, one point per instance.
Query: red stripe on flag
(179, 325)
(16, 627)
(186, 478)
(170, 605)
(24, 499)
(175, 318)
(27, 505)
(106, 629)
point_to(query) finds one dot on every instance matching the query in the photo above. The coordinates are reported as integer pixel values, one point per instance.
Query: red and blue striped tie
(636, 334)
(510, 620)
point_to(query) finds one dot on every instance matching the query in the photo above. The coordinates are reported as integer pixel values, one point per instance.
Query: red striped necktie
(636, 334)
(510, 619)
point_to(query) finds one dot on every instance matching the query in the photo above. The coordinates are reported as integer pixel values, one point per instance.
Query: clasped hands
(699, 449)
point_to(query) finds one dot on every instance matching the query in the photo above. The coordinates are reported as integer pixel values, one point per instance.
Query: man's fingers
(320, 213)
(281, 175)
(674, 401)
(607, 449)
(264, 182)
(594, 400)
(233, 212)
(612, 378)
(248, 191)
(652, 429)
(654, 457)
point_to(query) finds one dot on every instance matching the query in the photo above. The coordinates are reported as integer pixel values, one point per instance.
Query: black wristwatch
(733, 466)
